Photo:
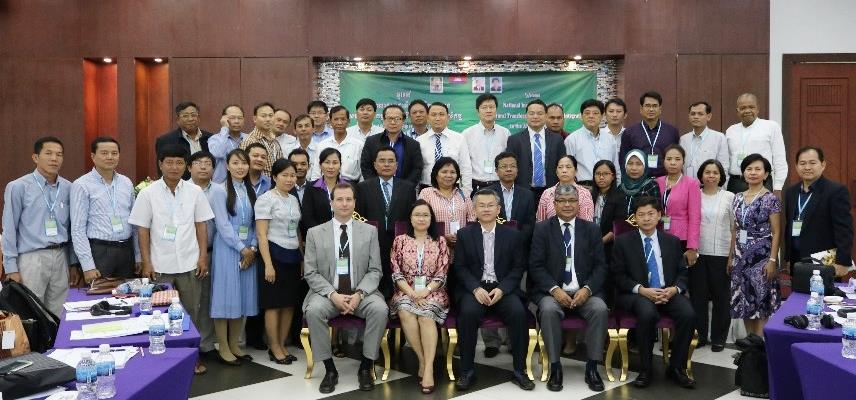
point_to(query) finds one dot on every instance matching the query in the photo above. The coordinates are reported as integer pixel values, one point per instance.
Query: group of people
(380, 223)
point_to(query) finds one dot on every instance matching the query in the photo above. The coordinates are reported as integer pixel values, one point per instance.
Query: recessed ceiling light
(158, 60)
(578, 57)
(468, 58)
(108, 60)
(358, 59)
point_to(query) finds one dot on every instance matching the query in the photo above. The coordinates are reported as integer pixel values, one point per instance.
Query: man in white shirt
(484, 141)
(418, 110)
(366, 112)
(229, 138)
(350, 146)
(615, 113)
(588, 145)
(287, 141)
(702, 143)
(755, 135)
(441, 141)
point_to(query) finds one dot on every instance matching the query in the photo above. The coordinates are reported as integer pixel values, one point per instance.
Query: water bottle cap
(86, 355)
(175, 300)
(813, 295)
(145, 281)
(816, 272)
(157, 313)
(104, 347)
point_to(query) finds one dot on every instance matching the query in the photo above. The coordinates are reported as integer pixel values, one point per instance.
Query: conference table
(784, 380)
(823, 373)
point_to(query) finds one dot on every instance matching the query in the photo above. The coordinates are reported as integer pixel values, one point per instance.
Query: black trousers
(510, 309)
(648, 314)
(113, 259)
(537, 192)
(709, 282)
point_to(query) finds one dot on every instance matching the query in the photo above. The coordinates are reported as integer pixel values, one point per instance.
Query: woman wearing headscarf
(635, 183)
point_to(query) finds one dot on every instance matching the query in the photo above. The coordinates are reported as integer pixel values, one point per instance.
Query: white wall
(807, 26)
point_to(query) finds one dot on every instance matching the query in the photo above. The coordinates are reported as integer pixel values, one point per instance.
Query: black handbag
(801, 274)
(751, 375)
(45, 373)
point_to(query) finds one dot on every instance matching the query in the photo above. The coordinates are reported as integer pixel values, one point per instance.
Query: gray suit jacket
(319, 266)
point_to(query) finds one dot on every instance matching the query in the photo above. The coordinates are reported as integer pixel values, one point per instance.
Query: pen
(142, 353)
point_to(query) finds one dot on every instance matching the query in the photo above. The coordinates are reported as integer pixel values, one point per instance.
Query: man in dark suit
(537, 150)
(522, 203)
(187, 135)
(488, 267)
(568, 268)
(406, 149)
(385, 199)
(651, 275)
(813, 206)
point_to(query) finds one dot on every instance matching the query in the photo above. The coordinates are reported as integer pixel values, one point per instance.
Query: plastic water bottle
(848, 337)
(816, 283)
(157, 333)
(86, 375)
(176, 317)
(146, 297)
(813, 308)
(106, 365)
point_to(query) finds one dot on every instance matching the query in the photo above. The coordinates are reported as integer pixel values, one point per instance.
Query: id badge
(652, 160)
(117, 225)
(569, 261)
(292, 229)
(169, 233)
(243, 232)
(743, 236)
(419, 283)
(342, 266)
(51, 227)
(488, 166)
(667, 222)
(796, 228)
(454, 226)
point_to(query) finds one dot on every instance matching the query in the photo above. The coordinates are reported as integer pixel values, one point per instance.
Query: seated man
(339, 252)
(488, 267)
(651, 274)
(568, 268)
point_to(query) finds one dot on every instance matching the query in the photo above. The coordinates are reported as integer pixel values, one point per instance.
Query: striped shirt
(274, 152)
(458, 208)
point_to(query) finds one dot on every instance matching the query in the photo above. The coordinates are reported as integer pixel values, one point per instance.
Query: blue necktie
(438, 148)
(538, 162)
(569, 251)
(651, 259)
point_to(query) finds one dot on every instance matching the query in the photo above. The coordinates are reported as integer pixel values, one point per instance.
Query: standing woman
(316, 198)
(277, 218)
(233, 274)
(566, 171)
(756, 231)
(446, 197)
(635, 183)
(681, 202)
(709, 279)
(420, 262)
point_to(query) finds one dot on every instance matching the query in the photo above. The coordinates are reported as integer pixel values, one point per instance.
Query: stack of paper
(72, 356)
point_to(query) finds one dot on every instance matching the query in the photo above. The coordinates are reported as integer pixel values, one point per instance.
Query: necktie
(386, 199)
(438, 147)
(569, 251)
(538, 162)
(651, 259)
(345, 252)
(489, 271)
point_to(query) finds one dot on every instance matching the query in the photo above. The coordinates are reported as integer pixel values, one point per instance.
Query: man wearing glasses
(188, 135)
(650, 135)
(406, 149)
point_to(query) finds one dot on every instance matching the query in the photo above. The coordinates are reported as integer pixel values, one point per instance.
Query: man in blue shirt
(36, 227)
(228, 139)
(101, 202)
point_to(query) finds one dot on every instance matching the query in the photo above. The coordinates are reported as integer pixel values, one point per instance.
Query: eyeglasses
(602, 174)
(507, 166)
(566, 202)
(394, 119)
(201, 163)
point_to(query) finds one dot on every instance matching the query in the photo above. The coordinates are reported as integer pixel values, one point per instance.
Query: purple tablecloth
(823, 372)
(164, 376)
(779, 338)
(190, 338)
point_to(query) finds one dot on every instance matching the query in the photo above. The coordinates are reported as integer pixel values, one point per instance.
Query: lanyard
(285, 203)
(258, 186)
(344, 246)
(50, 204)
(420, 258)
(453, 207)
(746, 208)
(801, 205)
(668, 193)
(111, 192)
(645, 130)
(595, 145)
(697, 146)
(241, 206)
(489, 141)
(570, 242)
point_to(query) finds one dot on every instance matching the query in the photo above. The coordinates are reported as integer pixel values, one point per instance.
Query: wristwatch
(361, 293)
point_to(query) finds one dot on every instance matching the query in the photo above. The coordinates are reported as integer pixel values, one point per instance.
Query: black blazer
(174, 137)
(521, 147)
(522, 210)
(370, 204)
(547, 260)
(508, 262)
(827, 223)
(315, 209)
(412, 168)
(629, 267)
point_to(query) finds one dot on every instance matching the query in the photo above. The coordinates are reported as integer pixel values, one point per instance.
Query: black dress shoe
(491, 352)
(364, 377)
(643, 380)
(680, 377)
(520, 379)
(465, 380)
(593, 380)
(289, 358)
(328, 384)
(246, 357)
(234, 363)
(716, 348)
(555, 382)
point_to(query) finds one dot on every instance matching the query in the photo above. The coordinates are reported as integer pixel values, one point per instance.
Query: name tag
(117, 225)
(51, 227)
(652, 160)
(569, 263)
(169, 232)
(488, 166)
(419, 283)
(743, 236)
(454, 226)
(292, 229)
(243, 232)
(342, 266)
(796, 228)
(667, 222)
(8, 340)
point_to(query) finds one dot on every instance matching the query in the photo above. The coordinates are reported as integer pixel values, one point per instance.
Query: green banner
(459, 92)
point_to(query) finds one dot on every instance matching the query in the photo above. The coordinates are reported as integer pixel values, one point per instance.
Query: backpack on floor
(40, 324)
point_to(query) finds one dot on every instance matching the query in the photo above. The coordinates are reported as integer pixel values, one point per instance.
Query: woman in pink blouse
(446, 198)
(420, 261)
(681, 202)
(566, 171)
